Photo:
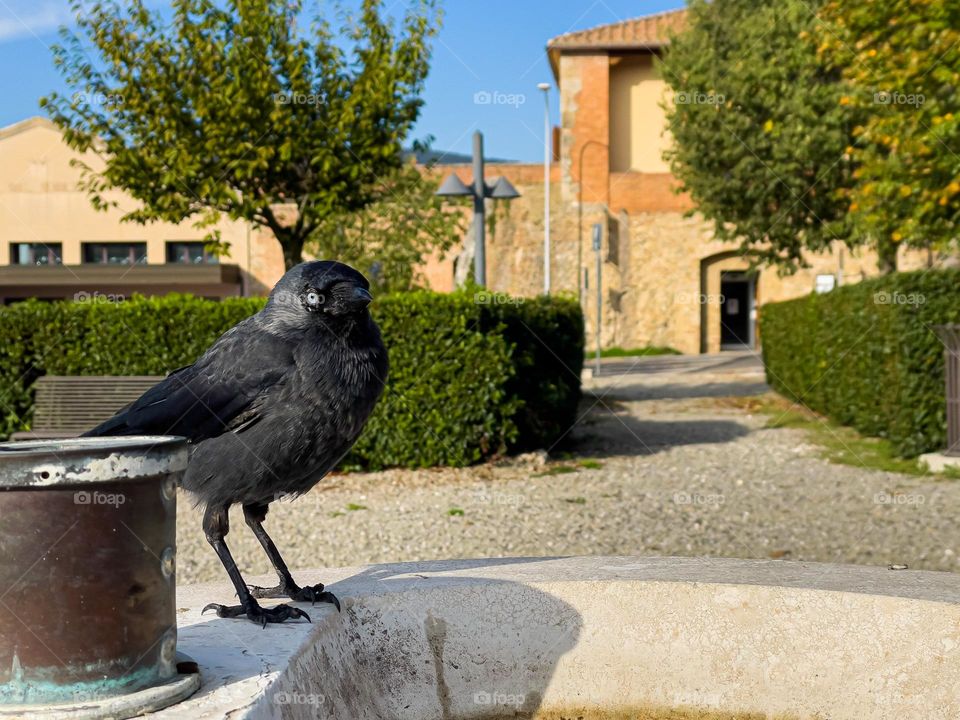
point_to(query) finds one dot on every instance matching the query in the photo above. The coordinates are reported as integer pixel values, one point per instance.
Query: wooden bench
(66, 407)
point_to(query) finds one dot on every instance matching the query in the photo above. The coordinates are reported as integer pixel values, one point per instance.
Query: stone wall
(514, 235)
(660, 268)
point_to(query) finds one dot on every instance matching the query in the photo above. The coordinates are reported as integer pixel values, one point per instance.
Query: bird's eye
(314, 298)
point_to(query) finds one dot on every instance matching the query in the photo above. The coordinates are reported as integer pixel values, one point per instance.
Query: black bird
(270, 408)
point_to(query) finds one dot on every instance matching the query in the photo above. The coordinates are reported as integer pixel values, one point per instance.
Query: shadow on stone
(405, 639)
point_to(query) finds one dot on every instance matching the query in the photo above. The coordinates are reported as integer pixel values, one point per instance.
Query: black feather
(277, 400)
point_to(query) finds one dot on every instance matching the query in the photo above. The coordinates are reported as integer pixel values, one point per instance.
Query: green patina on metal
(39, 687)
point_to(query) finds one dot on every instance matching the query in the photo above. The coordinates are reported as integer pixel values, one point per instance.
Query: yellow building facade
(54, 244)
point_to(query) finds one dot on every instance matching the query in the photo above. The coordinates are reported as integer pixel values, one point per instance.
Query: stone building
(55, 245)
(665, 280)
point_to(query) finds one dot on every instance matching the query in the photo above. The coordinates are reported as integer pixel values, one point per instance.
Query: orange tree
(903, 59)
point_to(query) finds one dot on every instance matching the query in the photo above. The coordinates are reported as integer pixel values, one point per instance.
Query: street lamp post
(597, 245)
(501, 189)
(547, 157)
(479, 213)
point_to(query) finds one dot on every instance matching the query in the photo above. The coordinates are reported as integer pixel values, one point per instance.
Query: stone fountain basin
(551, 637)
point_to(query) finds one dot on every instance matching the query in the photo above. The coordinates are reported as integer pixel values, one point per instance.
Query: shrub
(547, 337)
(446, 401)
(866, 355)
(467, 380)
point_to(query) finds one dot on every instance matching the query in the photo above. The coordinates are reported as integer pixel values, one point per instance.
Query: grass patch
(576, 500)
(565, 469)
(634, 352)
(455, 512)
(558, 470)
(840, 444)
(951, 473)
(353, 507)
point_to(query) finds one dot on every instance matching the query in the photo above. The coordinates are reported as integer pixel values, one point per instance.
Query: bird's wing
(223, 391)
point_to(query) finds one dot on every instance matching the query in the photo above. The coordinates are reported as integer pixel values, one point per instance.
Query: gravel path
(683, 473)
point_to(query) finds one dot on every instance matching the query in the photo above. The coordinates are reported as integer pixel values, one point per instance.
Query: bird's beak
(362, 296)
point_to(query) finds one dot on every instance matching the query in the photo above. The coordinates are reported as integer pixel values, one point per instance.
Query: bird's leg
(216, 525)
(254, 514)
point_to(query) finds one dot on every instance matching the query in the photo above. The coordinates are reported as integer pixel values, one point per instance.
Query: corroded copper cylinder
(87, 561)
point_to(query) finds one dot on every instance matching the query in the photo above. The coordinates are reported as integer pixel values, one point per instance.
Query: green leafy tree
(760, 138)
(903, 59)
(395, 234)
(231, 109)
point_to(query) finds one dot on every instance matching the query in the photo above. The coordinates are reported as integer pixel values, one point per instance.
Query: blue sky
(487, 62)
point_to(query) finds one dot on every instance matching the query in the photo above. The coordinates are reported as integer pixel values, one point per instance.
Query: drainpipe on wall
(249, 263)
(580, 265)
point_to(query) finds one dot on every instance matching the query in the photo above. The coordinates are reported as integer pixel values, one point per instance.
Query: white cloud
(17, 22)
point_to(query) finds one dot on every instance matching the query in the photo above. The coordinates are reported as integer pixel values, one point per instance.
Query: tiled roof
(646, 31)
(649, 32)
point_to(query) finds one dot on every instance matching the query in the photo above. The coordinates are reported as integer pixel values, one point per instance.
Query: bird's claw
(311, 594)
(327, 597)
(314, 594)
(257, 614)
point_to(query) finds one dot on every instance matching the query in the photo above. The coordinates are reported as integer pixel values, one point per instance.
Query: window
(190, 253)
(36, 253)
(825, 283)
(115, 253)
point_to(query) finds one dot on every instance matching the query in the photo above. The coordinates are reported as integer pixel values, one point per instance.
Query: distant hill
(438, 157)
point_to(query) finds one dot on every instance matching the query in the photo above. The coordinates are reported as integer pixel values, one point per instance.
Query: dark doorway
(736, 311)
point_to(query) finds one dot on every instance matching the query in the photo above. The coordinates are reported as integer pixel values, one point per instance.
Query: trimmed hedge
(467, 380)
(866, 355)
(547, 337)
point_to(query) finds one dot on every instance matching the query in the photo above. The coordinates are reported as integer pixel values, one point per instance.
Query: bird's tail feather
(117, 425)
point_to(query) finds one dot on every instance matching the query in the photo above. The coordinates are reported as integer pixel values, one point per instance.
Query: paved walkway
(683, 471)
(724, 363)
